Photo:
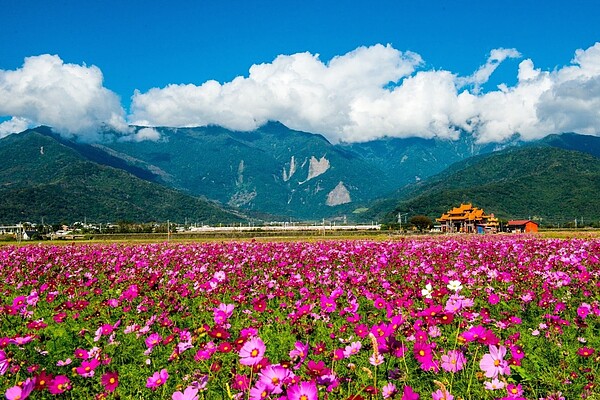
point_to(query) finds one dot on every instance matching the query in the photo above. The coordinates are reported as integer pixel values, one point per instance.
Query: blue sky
(140, 45)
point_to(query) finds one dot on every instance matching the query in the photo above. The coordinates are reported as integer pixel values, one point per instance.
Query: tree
(421, 222)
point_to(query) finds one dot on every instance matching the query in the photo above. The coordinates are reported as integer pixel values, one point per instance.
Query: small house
(523, 226)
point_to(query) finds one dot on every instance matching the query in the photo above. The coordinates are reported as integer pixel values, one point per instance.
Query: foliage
(43, 178)
(549, 184)
(421, 222)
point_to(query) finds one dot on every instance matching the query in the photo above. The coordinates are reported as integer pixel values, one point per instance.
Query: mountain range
(212, 174)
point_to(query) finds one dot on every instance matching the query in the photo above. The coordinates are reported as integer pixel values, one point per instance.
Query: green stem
(472, 372)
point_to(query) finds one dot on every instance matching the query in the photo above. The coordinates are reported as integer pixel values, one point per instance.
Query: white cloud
(141, 135)
(365, 94)
(299, 90)
(71, 98)
(482, 75)
(13, 125)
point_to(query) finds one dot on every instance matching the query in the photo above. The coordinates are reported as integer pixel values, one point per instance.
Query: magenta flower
(328, 304)
(87, 367)
(82, 353)
(388, 390)
(59, 384)
(585, 351)
(300, 351)
(241, 382)
(273, 376)
(157, 379)
(3, 362)
(153, 340)
(441, 395)
(189, 393)
(259, 391)
(20, 392)
(514, 390)
(409, 394)
(252, 352)
(453, 361)
(303, 391)
(351, 349)
(110, 381)
(493, 363)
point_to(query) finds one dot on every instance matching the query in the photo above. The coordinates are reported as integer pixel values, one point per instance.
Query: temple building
(467, 219)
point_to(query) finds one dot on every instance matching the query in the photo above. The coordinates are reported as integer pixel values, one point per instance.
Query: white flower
(427, 291)
(455, 286)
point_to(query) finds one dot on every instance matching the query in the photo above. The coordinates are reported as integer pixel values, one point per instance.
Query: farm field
(462, 317)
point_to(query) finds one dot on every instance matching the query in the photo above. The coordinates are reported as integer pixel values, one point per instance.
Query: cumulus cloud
(482, 75)
(379, 91)
(366, 94)
(141, 135)
(71, 98)
(298, 90)
(13, 125)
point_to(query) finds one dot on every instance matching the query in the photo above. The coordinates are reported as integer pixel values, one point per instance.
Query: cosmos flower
(303, 391)
(427, 292)
(110, 381)
(453, 361)
(157, 379)
(409, 394)
(252, 352)
(493, 363)
(388, 390)
(189, 393)
(59, 384)
(20, 392)
(455, 286)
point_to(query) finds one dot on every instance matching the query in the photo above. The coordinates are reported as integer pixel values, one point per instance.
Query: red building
(523, 226)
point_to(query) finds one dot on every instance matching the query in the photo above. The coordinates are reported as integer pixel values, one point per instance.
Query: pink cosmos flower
(153, 340)
(20, 392)
(493, 363)
(3, 362)
(495, 384)
(352, 348)
(441, 395)
(241, 382)
(273, 377)
(303, 391)
(453, 361)
(300, 351)
(409, 394)
(157, 379)
(388, 390)
(514, 390)
(87, 367)
(110, 381)
(252, 352)
(585, 351)
(82, 353)
(259, 391)
(189, 393)
(328, 304)
(59, 384)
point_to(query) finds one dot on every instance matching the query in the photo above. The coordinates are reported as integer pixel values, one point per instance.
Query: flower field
(446, 318)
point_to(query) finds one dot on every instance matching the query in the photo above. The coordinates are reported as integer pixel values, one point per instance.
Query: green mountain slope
(550, 183)
(41, 177)
(273, 169)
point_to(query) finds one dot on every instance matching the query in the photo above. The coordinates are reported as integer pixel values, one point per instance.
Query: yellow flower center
(254, 353)
(496, 363)
(111, 380)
